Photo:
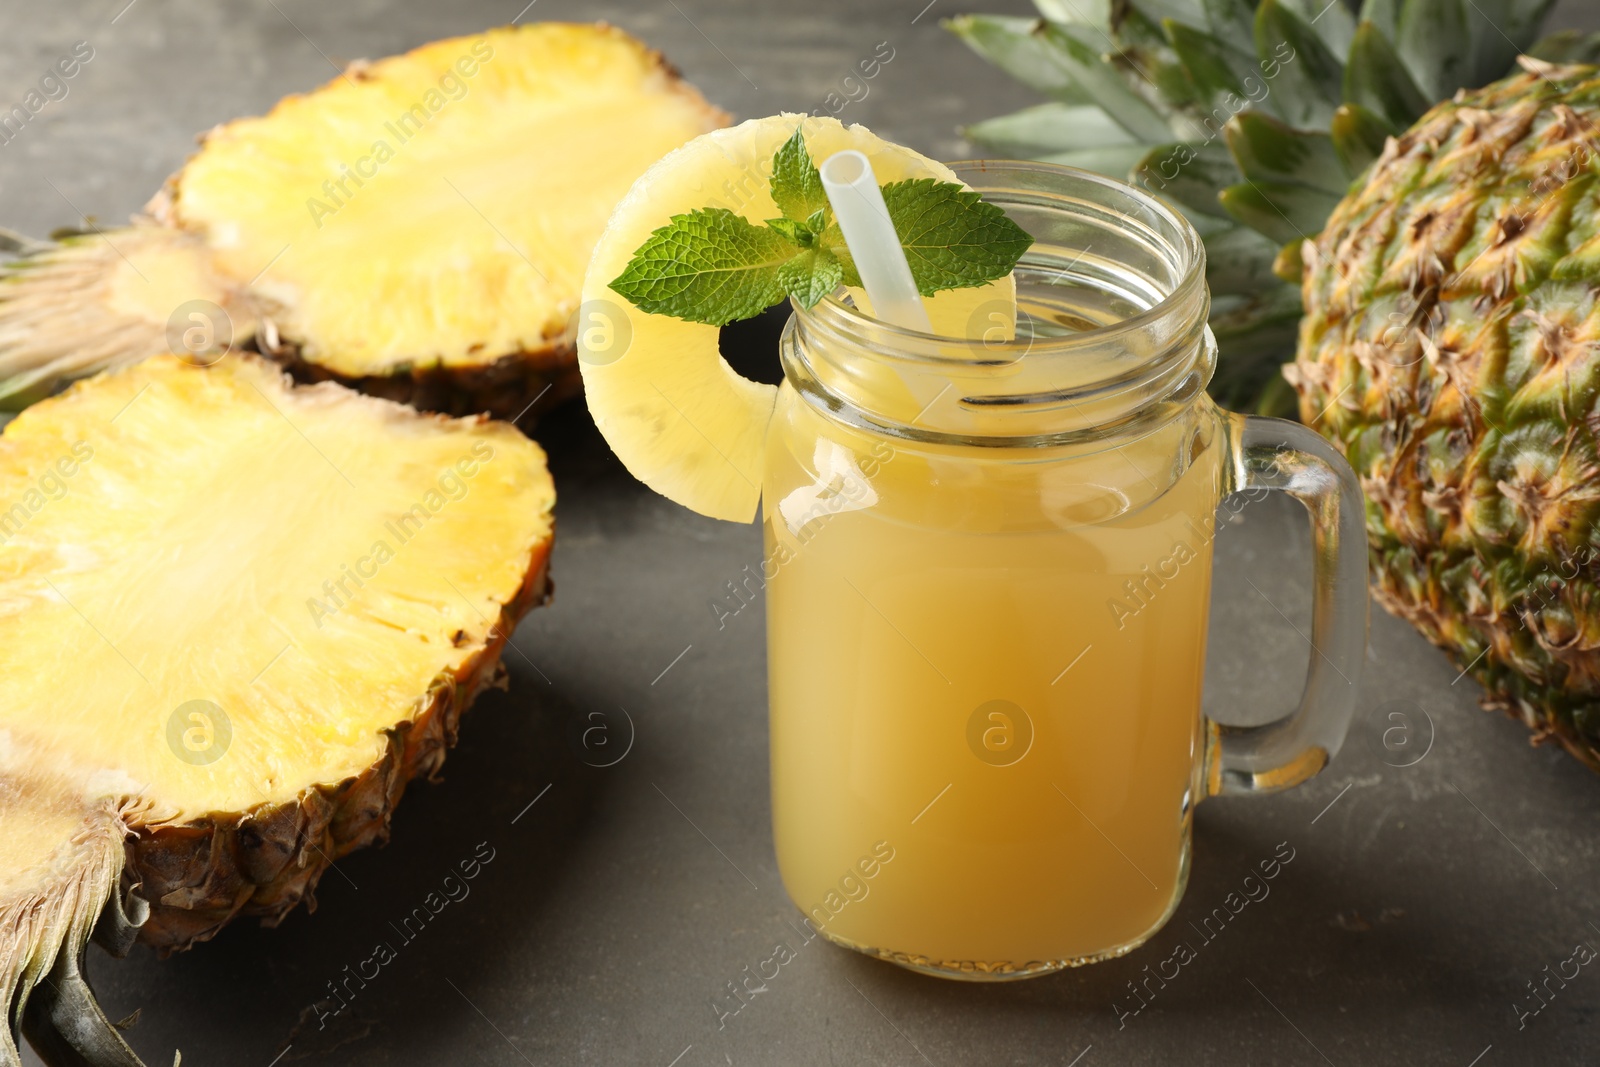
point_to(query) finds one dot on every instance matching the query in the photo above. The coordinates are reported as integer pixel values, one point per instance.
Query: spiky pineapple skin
(266, 861)
(1451, 348)
(518, 387)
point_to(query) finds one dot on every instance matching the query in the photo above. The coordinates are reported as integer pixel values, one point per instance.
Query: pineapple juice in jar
(986, 687)
(988, 565)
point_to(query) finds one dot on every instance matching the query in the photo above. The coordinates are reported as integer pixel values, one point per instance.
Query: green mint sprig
(716, 267)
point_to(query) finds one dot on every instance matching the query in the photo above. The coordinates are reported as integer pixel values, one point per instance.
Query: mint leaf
(811, 275)
(804, 233)
(716, 267)
(709, 266)
(798, 232)
(796, 185)
(952, 238)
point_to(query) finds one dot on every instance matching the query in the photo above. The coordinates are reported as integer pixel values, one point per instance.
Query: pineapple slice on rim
(680, 419)
(417, 227)
(242, 615)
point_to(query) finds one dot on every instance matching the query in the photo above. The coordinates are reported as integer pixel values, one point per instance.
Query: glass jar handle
(1282, 455)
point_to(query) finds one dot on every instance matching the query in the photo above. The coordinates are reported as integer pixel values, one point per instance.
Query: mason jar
(989, 569)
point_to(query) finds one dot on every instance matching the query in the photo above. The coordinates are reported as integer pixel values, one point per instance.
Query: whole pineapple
(1451, 348)
(1254, 116)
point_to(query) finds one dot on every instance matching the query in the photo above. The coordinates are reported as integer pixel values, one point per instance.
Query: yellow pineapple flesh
(418, 227)
(241, 615)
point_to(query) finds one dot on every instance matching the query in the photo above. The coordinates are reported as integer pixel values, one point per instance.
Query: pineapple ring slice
(680, 419)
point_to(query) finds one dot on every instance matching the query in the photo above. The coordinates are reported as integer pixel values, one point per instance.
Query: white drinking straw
(857, 202)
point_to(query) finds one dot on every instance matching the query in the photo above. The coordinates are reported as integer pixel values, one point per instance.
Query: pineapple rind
(1451, 348)
(265, 861)
(517, 387)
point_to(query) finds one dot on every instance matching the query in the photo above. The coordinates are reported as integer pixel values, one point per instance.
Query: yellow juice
(985, 676)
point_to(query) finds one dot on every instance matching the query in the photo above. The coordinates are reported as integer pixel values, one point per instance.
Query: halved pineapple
(680, 419)
(239, 616)
(417, 227)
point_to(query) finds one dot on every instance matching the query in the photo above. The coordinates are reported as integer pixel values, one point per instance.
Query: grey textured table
(1421, 901)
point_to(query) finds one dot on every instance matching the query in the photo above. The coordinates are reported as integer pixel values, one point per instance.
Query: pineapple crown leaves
(1146, 87)
(1254, 116)
(714, 266)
